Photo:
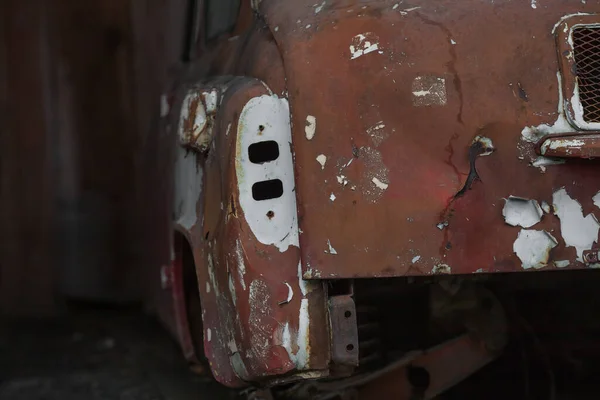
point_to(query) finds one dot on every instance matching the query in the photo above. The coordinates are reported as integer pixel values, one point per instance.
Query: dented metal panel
(261, 319)
(390, 100)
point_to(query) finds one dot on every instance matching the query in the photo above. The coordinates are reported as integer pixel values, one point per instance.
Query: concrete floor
(122, 354)
(96, 354)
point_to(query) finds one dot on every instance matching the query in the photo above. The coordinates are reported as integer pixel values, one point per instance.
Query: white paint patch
(452, 41)
(521, 212)
(318, 8)
(429, 90)
(310, 127)
(331, 249)
(363, 43)
(228, 129)
(534, 4)
(533, 248)
(415, 259)
(290, 295)
(208, 334)
(596, 199)
(273, 114)
(396, 6)
(442, 225)
(576, 230)
(332, 197)
(187, 186)
(322, 159)
(562, 263)
(379, 184)
(407, 10)
(342, 180)
(301, 355)
(207, 287)
(164, 106)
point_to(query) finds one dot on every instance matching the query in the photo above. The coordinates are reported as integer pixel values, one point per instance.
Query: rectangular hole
(267, 190)
(263, 152)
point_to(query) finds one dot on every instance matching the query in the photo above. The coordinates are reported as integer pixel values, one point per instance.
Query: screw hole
(350, 347)
(261, 128)
(270, 214)
(347, 314)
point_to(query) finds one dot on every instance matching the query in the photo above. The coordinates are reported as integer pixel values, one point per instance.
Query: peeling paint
(322, 159)
(560, 144)
(576, 230)
(318, 8)
(441, 269)
(542, 162)
(331, 249)
(188, 187)
(562, 263)
(310, 127)
(273, 115)
(342, 180)
(415, 259)
(533, 248)
(332, 197)
(232, 288)
(241, 265)
(297, 344)
(546, 207)
(290, 295)
(429, 90)
(487, 146)
(208, 334)
(522, 212)
(363, 43)
(379, 184)
(207, 287)
(560, 21)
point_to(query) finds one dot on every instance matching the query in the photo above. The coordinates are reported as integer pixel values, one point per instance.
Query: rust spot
(270, 214)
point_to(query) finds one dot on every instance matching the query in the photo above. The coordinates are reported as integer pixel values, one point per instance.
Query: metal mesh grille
(586, 46)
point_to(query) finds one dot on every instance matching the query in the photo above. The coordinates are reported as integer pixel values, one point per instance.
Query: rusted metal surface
(425, 375)
(344, 332)
(393, 97)
(260, 322)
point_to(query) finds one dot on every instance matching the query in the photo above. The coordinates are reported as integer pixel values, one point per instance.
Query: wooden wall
(84, 208)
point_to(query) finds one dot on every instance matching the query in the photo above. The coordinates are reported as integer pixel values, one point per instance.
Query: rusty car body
(337, 160)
